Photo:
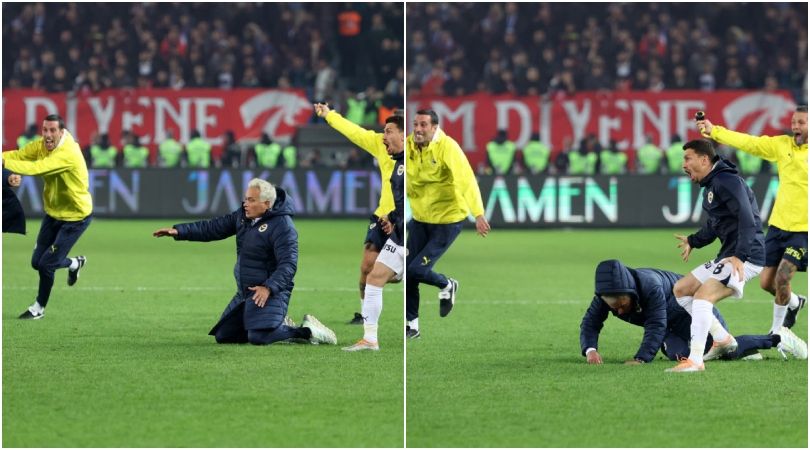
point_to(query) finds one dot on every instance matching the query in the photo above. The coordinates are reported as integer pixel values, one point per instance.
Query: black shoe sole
(790, 316)
(445, 306)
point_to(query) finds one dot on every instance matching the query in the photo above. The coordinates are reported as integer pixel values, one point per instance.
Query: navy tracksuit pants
(54, 241)
(426, 244)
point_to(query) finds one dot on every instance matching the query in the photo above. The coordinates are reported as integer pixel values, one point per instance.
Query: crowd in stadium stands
(348, 54)
(557, 49)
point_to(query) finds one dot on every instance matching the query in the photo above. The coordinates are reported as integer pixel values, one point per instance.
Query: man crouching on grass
(266, 262)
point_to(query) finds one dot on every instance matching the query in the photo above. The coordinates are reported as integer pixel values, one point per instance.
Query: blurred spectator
(29, 135)
(314, 160)
(198, 152)
(267, 152)
(612, 161)
(649, 158)
(585, 160)
(231, 156)
(357, 159)
(135, 154)
(639, 46)
(674, 155)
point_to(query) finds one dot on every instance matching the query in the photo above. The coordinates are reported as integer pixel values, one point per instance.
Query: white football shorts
(393, 256)
(722, 272)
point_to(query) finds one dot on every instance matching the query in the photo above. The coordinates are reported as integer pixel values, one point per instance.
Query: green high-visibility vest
(649, 158)
(356, 111)
(290, 156)
(749, 164)
(22, 140)
(135, 156)
(199, 153)
(170, 151)
(675, 157)
(579, 164)
(536, 156)
(612, 163)
(267, 154)
(103, 157)
(501, 156)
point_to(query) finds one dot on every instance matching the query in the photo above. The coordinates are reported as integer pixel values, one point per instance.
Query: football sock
(372, 308)
(701, 321)
(36, 308)
(414, 324)
(718, 332)
(74, 264)
(686, 303)
(794, 301)
(779, 312)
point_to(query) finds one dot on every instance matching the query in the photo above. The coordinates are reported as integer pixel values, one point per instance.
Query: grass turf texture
(504, 368)
(123, 358)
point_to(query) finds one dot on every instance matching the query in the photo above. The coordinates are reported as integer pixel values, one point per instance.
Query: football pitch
(123, 359)
(504, 368)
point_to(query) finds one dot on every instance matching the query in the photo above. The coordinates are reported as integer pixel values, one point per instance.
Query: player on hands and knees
(390, 264)
(786, 241)
(734, 220)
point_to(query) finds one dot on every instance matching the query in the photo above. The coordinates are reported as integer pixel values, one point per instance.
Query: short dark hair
(702, 147)
(56, 118)
(399, 121)
(434, 118)
(801, 108)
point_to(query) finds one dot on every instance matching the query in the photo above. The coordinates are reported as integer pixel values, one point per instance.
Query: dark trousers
(676, 341)
(426, 244)
(54, 241)
(231, 330)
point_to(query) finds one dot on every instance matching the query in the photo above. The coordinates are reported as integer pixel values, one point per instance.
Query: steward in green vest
(649, 158)
(356, 108)
(267, 152)
(102, 154)
(674, 156)
(501, 154)
(170, 152)
(581, 162)
(135, 154)
(29, 135)
(198, 152)
(536, 155)
(612, 161)
(749, 164)
(290, 155)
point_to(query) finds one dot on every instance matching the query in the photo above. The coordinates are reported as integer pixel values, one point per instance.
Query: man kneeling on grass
(266, 262)
(644, 297)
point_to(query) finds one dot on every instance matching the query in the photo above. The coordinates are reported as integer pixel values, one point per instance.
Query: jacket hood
(612, 277)
(721, 165)
(282, 206)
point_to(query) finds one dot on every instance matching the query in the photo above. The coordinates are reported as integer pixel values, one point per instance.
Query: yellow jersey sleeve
(765, 147)
(27, 153)
(463, 177)
(368, 140)
(53, 164)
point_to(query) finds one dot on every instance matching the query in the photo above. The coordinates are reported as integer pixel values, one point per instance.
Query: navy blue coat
(13, 214)
(733, 216)
(266, 255)
(397, 216)
(655, 305)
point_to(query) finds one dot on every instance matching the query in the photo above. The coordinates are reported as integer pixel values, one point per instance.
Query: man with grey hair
(267, 245)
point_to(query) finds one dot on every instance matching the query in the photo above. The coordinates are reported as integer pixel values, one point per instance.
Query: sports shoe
(363, 344)
(753, 355)
(73, 275)
(410, 333)
(33, 312)
(357, 319)
(447, 297)
(686, 365)
(721, 348)
(790, 316)
(289, 322)
(320, 333)
(792, 344)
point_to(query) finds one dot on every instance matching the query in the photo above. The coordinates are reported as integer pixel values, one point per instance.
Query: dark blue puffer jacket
(266, 254)
(651, 292)
(733, 216)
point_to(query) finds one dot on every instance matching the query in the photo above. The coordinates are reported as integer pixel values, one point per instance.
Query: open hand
(260, 295)
(165, 232)
(683, 244)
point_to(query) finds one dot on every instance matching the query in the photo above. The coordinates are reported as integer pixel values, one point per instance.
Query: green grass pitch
(123, 358)
(504, 368)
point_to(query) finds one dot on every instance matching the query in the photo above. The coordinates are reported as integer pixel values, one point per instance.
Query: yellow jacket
(441, 185)
(67, 188)
(372, 142)
(790, 211)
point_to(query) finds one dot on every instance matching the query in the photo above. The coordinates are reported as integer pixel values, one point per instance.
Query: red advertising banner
(150, 113)
(627, 117)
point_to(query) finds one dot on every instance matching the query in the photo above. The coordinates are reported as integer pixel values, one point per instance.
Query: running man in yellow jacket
(786, 241)
(443, 192)
(372, 142)
(58, 159)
